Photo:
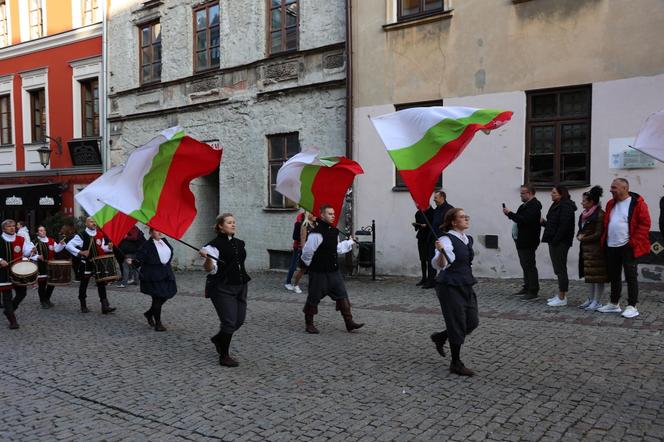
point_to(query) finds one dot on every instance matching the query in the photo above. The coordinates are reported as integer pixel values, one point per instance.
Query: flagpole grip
(196, 248)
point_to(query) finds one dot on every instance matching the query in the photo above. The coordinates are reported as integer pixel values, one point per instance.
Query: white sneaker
(554, 297)
(593, 306)
(297, 289)
(586, 304)
(610, 308)
(557, 302)
(630, 312)
(289, 287)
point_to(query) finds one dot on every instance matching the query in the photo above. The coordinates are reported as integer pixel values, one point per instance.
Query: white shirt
(23, 231)
(76, 243)
(213, 252)
(163, 250)
(618, 232)
(448, 248)
(57, 248)
(315, 240)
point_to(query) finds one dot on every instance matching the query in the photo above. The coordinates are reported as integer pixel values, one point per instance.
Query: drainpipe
(105, 146)
(350, 206)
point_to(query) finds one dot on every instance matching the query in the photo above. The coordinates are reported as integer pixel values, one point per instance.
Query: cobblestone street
(542, 373)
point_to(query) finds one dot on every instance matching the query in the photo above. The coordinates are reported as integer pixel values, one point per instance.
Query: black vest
(325, 258)
(5, 254)
(460, 272)
(233, 254)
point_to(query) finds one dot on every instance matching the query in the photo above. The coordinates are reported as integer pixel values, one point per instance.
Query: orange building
(51, 105)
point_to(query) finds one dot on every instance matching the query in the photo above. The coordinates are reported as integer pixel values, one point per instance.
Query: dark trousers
(322, 284)
(83, 288)
(431, 251)
(293, 265)
(558, 255)
(529, 267)
(621, 259)
(43, 290)
(11, 301)
(423, 250)
(459, 307)
(230, 302)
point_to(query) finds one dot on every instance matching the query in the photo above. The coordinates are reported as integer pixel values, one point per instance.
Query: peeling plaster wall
(250, 97)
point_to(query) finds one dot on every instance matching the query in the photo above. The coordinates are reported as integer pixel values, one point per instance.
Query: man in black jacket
(442, 207)
(526, 235)
(422, 228)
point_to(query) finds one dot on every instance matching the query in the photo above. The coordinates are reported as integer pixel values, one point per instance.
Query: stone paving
(542, 373)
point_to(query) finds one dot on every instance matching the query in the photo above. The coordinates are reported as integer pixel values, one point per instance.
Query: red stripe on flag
(117, 227)
(422, 181)
(176, 208)
(331, 183)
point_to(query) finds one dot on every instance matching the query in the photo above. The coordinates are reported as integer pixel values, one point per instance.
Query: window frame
(9, 140)
(282, 29)
(152, 44)
(7, 24)
(94, 12)
(208, 34)
(279, 161)
(399, 186)
(87, 85)
(41, 92)
(421, 14)
(557, 121)
(40, 25)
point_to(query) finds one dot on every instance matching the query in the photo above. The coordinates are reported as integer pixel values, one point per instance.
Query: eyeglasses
(466, 217)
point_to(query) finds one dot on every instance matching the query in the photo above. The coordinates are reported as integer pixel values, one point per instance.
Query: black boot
(156, 312)
(439, 340)
(11, 317)
(225, 343)
(49, 293)
(105, 307)
(149, 317)
(309, 312)
(423, 264)
(216, 340)
(41, 291)
(343, 305)
(84, 306)
(457, 366)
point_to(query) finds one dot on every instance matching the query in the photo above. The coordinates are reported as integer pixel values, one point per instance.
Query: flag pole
(195, 248)
(433, 232)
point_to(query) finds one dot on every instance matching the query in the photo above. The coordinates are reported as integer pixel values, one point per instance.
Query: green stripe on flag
(104, 215)
(306, 184)
(449, 129)
(154, 179)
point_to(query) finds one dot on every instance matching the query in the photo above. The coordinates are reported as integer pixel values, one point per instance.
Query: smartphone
(503, 205)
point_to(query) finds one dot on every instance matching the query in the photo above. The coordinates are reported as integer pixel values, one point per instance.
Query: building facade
(263, 78)
(580, 76)
(50, 80)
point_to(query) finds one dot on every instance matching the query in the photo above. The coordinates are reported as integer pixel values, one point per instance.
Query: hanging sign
(14, 201)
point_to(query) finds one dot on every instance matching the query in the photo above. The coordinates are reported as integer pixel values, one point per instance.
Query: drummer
(12, 248)
(87, 245)
(46, 250)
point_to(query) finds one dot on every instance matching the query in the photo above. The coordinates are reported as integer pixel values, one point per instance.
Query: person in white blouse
(156, 275)
(454, 287)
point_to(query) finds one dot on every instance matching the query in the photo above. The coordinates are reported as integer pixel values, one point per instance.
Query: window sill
(399, 189)
(280, 209)
(519, 1)
(416, 21)
(6, 146)
(548, 186)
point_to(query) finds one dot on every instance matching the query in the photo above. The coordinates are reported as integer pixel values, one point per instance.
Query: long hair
(450, 216)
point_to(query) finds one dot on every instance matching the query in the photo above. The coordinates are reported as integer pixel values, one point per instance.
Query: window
(399, 184)
(90, 12)
(150, 52)
(284, 23)
(206, 35)
(4, 24)
(5, 119)
(90, 108)
(280, 148)
(36, 23)
(558, 136)
(407, 9)
(38, 115)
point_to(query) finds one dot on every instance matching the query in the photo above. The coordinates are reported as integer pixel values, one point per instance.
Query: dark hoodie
(559, 226)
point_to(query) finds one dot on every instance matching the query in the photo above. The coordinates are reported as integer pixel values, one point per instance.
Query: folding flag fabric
(114, 224)
(650, 139)
(153, 187)
(311, 181)
(425, 140)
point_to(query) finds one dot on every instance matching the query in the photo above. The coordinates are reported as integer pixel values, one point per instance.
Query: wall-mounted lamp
(45, 151)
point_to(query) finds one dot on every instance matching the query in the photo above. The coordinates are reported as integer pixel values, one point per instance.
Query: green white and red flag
(113, 223)
(312, 181)
(153, 187)
(425, 140)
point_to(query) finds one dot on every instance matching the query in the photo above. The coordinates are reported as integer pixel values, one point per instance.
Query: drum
(23, 273)
(59, 272)
(106, 268)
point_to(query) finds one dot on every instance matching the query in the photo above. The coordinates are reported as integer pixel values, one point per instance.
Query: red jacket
(639, 224)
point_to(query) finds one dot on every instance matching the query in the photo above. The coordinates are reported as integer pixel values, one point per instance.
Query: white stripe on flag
(90, 197)
(407, 127)
(288, 178)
